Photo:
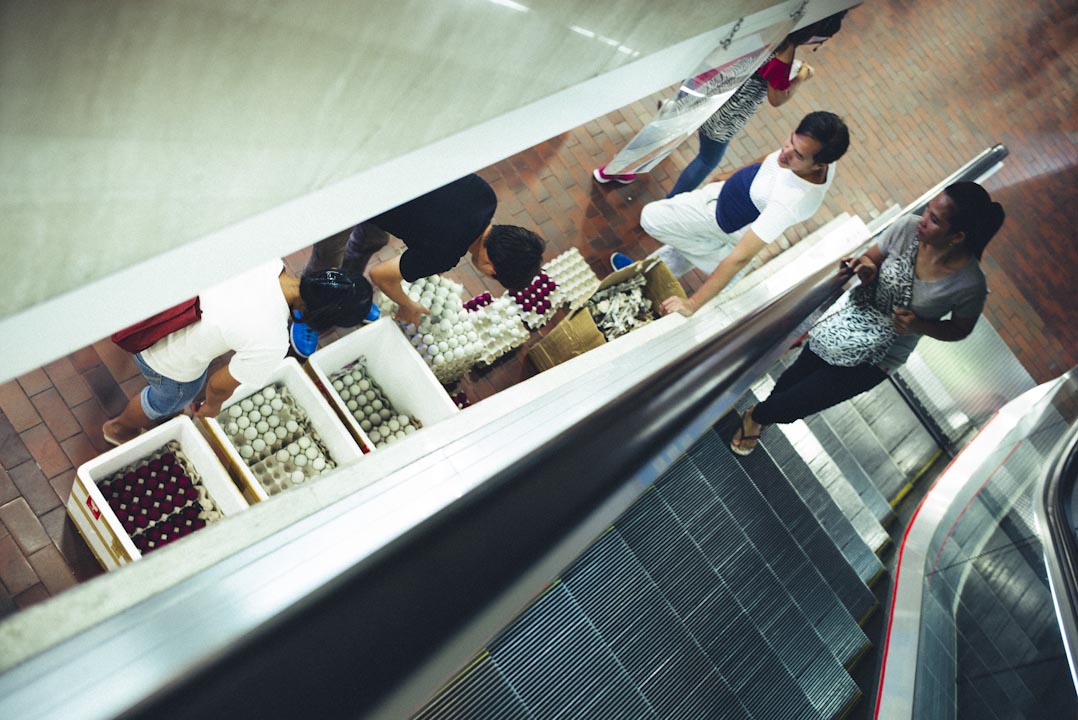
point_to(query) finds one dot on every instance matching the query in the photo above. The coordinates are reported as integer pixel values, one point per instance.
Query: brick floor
(924, 85)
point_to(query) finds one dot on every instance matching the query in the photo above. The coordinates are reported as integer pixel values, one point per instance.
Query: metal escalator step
(897, 428)
(805, 582)
(479, 693)
(857, 436)
(866, 525)
(851, 469)
(860, 556)
(796, 518)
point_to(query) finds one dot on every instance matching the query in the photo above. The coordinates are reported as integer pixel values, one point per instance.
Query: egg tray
(498, 325)
(159, 499)
(284, 449)
(575, 280)
(370, 406)
(536, 302)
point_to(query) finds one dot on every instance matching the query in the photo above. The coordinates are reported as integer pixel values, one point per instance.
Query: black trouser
(811, 385)
(347, 252)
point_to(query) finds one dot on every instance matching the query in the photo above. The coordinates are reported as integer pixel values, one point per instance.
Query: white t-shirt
(247, 313)
(784, 199)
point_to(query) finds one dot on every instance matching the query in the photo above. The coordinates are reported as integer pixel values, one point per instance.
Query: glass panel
(989, 644)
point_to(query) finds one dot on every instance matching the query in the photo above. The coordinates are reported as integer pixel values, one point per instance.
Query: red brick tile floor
(924, 85)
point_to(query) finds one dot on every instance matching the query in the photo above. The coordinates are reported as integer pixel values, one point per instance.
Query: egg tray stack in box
(159, 499)
(445, 338)
(370, 407)
(274, 437)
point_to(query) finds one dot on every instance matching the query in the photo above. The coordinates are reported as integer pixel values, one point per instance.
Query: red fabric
(142, 335)
(777, 73)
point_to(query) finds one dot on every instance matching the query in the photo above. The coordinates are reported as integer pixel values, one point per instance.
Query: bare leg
(128, 424)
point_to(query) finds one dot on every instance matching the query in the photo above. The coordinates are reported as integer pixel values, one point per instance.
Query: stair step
(857, 436)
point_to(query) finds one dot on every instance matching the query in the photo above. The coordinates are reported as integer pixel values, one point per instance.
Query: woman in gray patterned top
(928, 267)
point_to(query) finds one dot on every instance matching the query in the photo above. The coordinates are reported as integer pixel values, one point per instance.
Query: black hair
(830, 131)
(974, 214)
(516, 254)
(825, 28)
(340, 298)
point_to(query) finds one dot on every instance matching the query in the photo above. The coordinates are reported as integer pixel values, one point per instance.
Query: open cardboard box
(577, 333)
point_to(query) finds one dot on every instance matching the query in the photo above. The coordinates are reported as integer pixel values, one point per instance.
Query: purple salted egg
(158, 494)
(167, 507)
(142, 521)
(184, 482)
(197, 524)
(168, 458)
(170, 487)
(190, 512)
(527, 305)
(155, 465)
(130, 476)
(154, 513)
(143, 472)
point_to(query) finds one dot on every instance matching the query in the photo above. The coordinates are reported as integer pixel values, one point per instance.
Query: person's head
(509, 254)
(819, 139)
(334, 298)
(963, 217)
(816, 33)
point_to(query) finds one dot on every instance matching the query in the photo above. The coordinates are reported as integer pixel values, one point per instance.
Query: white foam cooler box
(98, 522)
(394, 364)
(342, 448)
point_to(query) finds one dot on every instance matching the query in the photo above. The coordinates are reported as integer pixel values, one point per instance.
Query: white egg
(262, 426)
(385, 413)
(304, 442)
(258, 445)
(270, 437)
(235, 411)
(232, 428)
(269, 393)
(370, 395)
(243, 422)
(246, 451)
(365, 424)
(298, 477)
(276, 403)
(377, 404)
(394, 425)
(352, 405)
(399, 434)
(311, 453)
(280, 432)
(300, 460)
(409, 429)
(250, 433)
(293, 449)
(375, 436)
(254, 416)
(291, 426)
(364, 385)
(318, 464)
(273, 421)
(282, 455)
(404, 420)
(375, 419)
(346, 395)
(347, 380)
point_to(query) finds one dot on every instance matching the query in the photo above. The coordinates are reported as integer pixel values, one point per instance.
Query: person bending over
(720, 227)
(247, 314)
(920, 270)
(438, 229)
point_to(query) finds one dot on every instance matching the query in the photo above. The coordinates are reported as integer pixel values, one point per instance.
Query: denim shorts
(165, 397)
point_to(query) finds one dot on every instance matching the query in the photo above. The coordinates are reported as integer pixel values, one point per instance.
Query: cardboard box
(342, 448)
(95, 519)
(394, 364)
(577, 333)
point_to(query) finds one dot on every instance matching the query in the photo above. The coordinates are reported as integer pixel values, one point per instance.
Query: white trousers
(686, 223)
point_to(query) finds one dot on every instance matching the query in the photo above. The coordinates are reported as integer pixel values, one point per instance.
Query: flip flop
(735, 446)
(110, 439)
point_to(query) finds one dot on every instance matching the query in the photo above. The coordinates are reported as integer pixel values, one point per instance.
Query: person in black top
(438, 228)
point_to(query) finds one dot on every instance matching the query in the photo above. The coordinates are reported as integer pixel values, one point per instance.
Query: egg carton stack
(498, 323)
(536, 302)
(274, 436)
(575, 282)
(370, 406)
(621, 308)
(446, 338)
(159, 499)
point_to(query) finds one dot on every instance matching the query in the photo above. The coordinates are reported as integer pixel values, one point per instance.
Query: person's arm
(866, 266)
(387, 276)
(779, 97)
(219, 387)
(720, 277)
(953, 330)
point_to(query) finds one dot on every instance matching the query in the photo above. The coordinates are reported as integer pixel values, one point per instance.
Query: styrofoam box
(342, 448)
(394, 364)
(97, 522)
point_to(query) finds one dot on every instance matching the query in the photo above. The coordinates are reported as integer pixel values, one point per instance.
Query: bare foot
(117, 434)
